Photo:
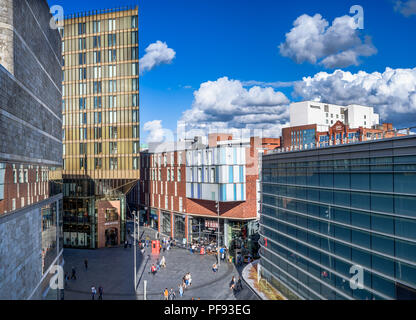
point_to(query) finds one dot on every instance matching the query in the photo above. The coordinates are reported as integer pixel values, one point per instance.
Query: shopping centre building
(340, 222)
(195, 188)
(31, 243)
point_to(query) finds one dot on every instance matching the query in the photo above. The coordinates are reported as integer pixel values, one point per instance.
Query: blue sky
(239, 39)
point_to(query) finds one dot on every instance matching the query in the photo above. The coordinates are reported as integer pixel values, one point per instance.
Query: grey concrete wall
(30, 127)
(20, 253)
(6, 35)
(31, 95)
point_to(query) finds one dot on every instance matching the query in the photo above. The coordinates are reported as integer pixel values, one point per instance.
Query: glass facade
(22, 185)
(205, 230)
(179, 229)
(100, 119)
(326, 212)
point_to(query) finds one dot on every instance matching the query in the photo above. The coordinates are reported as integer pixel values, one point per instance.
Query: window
(136, 131)
(98, 163)
(97, 148)
(113, 147)
(112, 101)
(134, 21)
(111, 24)
(135, 100)
(82, 74)
(113, 132)
(97, 72)
(81, 44)
(113, 163)
(82, 58)
(179, 175)
(112, 117)
(134, 37)
(82, 103)
(136, 146)
(97, 102)
(97, 41)
(111, 214)
(97, 133)
(97, 117)
(97, 56)
(112, 55)
(82, 163)
(96, 26)
(112, 71)
(135, 84)
(112, 86)
(82, 148)
(135, 115)
(111, 40)
(81, 28)
(134, 69)
(134, 53)
(212, 176)
(135, 163)
(97, 87)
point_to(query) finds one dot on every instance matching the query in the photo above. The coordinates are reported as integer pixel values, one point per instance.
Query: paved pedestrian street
(112, 268)
(206, 285)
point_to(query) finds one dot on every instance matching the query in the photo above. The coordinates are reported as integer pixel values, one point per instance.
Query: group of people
(166, 244)
(236, 286)
(159, 264)
(94, 292)
(169, 295)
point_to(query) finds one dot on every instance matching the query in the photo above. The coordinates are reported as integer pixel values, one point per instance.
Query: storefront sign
(210, 224)
(111, 223)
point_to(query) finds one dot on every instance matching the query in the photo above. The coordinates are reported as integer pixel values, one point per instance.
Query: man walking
(100, 293)
(181, 290)
(172, 294)
(86, 264)
(73, 276)
(166, 294)
(93, 292)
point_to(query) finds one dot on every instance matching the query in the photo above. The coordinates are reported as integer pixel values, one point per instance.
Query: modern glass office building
(100, 115)
(330, 215)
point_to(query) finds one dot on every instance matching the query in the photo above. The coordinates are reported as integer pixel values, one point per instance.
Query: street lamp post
(134, 248)
(218, 226)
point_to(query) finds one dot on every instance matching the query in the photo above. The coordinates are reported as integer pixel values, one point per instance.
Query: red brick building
(170, 206)
(339, 133)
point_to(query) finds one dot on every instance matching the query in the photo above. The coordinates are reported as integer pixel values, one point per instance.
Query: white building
(214, 172)
(325, 115)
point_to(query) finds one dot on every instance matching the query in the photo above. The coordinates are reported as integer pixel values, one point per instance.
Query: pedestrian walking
(166, 294)
(239, 284)
(125, 244)
(66, 278)
(73, 276)
(93, 292)
(190, 279)
(181, 290)
(232, 283)
(222, 253)
(172, 294)
(153, 269)
(86, 264)
(163, 262)
(214, 267)
(100, 293)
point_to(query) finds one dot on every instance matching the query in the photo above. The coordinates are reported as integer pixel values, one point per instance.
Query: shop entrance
(111, 236)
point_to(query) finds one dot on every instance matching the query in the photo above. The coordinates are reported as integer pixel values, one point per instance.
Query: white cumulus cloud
(392, 93)
(313, 40)
(156, 54)
(156, 132)
(225, 104)
(406, 8)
